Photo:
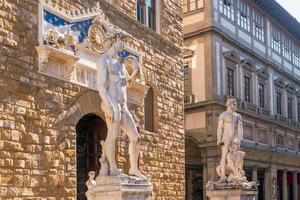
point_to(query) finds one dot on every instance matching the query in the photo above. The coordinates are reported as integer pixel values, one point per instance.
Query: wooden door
(90, 130)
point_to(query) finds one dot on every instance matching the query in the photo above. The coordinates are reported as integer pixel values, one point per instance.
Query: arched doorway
(90, 130)
(193, 170)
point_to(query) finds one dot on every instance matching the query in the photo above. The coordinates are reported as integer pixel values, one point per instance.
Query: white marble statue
(112, 81)
(229, 137)
(90, 184)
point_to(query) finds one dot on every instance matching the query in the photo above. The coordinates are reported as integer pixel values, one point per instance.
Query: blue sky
(292, 6)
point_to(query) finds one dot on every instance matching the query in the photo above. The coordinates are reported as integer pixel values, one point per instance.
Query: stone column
(205, 180)
(254, 177)
(284, 185)
(295, 185)
(254, 174)
(270, 174)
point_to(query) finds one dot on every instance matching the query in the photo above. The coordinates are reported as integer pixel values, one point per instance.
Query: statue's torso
(116, 80)
(230, 125)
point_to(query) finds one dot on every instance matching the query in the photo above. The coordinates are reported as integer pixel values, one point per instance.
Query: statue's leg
(225, 148)
(129, 127)
(113, 128)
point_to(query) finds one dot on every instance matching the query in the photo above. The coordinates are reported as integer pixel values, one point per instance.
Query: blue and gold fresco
(78, 29)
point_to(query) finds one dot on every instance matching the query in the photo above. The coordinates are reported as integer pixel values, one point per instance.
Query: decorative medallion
(101, 33)
(97, 36)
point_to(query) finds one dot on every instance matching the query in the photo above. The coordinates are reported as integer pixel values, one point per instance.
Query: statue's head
(92, 174)
(118, 41)
(232, 104)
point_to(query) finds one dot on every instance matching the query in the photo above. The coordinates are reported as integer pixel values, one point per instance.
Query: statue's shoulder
(238, 116)
(223, 114)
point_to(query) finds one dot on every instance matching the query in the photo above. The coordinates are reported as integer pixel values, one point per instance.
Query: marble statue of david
(112, 80)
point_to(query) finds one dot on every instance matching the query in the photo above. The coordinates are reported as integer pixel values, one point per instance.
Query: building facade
(249, 50)
(51, 121)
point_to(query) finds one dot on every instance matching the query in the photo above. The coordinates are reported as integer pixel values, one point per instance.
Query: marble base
(231, 190)
(122, 187)
(234, 194)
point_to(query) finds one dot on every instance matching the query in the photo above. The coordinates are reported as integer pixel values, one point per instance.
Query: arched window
(149, 111)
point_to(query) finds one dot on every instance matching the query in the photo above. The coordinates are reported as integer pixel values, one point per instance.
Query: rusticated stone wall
(38, 114)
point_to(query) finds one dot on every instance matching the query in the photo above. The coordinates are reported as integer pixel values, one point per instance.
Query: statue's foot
(115, 172)
(137, 173)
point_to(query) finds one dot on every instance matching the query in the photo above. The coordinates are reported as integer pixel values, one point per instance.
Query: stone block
(122, 187)
(9, 124)
(20, 110)
(232, 194)
(12, 146)
(15, 135)
(19, 163)
(32, 138)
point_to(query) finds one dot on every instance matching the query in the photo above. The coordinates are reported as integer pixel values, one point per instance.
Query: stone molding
(64, 56)
(71, 15)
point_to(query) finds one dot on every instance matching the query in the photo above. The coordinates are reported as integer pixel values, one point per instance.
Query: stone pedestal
(233, 194)
(233, 190)
(122, 187)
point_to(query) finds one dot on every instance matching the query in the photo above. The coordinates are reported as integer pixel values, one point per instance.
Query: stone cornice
(232, 55)
(248, 64)
(71, 15)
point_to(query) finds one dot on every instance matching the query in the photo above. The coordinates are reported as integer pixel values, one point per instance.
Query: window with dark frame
(247, 89)
(296, 56)
(276, 39)
(243, 15)
(141, 11)
(280, 140)
(149, 110)
(151, 14)
(287, 48)
(230, 81)
(227, 8)
(278, 103)
(191, 5)
(261, 93)
(258, 27)
(290, 108)
(146, 13)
